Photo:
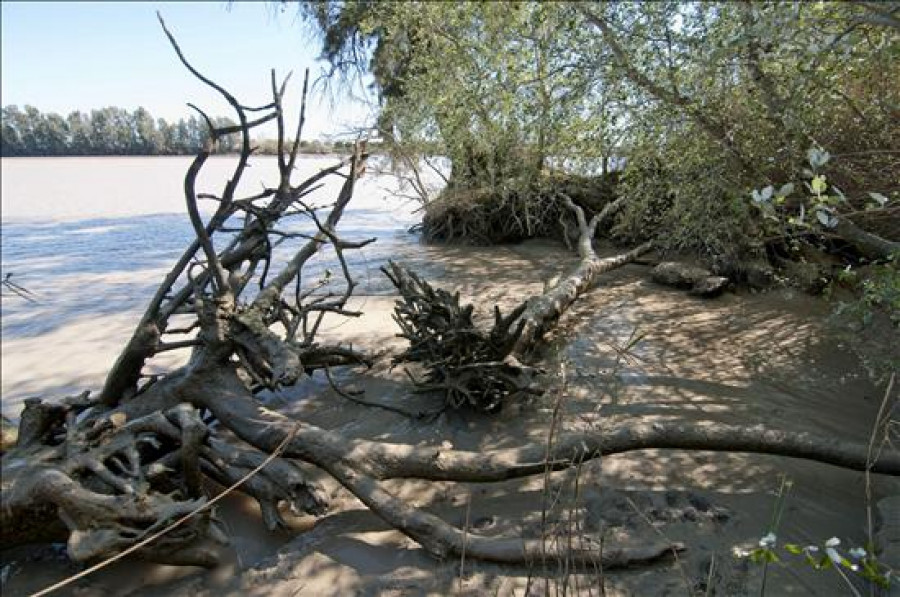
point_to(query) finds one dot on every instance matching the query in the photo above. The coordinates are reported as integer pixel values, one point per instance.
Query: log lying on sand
(543, 311)
(696, 280)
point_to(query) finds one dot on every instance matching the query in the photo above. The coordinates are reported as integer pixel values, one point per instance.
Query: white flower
(740, 553)
(833, 542)
(811, 548)
(833, 555)
(768, 540)
(858, 553)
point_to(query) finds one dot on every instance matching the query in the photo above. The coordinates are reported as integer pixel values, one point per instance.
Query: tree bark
(870, 245)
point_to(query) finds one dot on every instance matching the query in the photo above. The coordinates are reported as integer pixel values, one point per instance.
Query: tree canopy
(706, 102)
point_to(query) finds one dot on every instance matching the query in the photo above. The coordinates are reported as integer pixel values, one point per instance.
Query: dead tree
(105, 472)
(484, 368)
(116, 466)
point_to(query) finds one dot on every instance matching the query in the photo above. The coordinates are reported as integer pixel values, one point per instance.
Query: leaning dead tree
(114, 467)
(106, 472)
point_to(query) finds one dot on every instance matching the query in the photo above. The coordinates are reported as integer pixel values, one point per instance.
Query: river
(92, 237)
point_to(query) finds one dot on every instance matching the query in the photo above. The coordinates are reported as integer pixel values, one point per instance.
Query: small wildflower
(811, 548)
(833, 555)
(740, 553)
(833, 542)
(768, 540)
(857, 552)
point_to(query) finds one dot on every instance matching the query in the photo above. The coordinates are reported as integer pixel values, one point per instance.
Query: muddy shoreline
(746, 358)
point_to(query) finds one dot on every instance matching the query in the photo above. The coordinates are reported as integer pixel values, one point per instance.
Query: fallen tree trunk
(869, 245)
(381, 460)
(484, 369)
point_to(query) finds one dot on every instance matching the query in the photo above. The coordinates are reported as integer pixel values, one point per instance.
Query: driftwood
(697, 280)
(484, 369)
(105, 472)
(472, 367)
(868, 244)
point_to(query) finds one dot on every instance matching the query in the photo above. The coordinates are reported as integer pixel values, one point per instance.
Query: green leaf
(786, 189)
(818, 184)
(839, 193)
(826, 217)
(817, 157)
(879, 198)
(793, 548)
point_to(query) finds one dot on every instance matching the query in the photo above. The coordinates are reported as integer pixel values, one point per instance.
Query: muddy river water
(90, 254)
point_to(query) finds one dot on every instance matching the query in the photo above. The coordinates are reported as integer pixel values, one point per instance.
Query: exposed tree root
(483, 369)
(446, 541)
(470, 366)
(516, 210)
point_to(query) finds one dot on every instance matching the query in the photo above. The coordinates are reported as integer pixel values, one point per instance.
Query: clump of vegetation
(687, 206)
(516, 209)
(702, 103)
(879, 289)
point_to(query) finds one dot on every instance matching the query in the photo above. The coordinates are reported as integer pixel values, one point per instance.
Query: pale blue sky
(65, 56)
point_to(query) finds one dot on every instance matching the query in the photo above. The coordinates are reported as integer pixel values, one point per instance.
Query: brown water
(739, 359)
(92, 237)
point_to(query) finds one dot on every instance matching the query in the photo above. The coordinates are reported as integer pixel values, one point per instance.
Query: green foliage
(879, 289)
(705, 102)
(499, 88)
(685, 203)
(857, 562)
(734, 94)
(817, 210)
(108, 131)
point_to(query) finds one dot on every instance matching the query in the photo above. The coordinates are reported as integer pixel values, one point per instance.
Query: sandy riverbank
(739, 359)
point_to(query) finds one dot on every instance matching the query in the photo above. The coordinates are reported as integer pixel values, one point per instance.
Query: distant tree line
(314, 147)
(116, 131)
(106, 131)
